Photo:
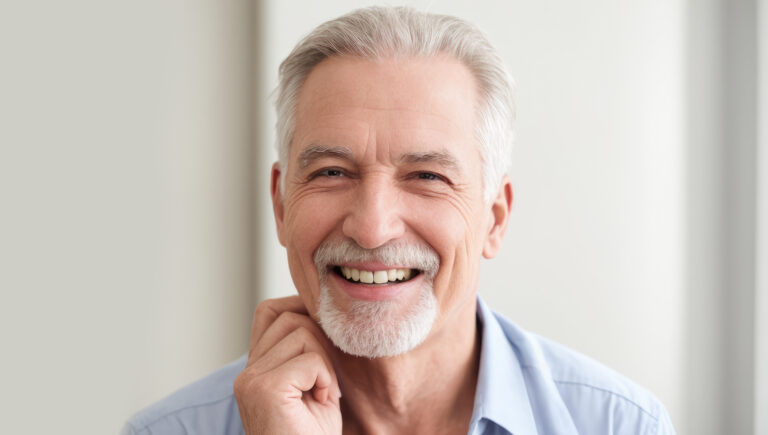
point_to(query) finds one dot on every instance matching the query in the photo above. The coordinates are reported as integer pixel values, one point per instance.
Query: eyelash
(324, 173)
(429, 176)
(337, 172)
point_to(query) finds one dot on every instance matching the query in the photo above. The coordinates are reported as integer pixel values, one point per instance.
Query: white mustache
(406, 255)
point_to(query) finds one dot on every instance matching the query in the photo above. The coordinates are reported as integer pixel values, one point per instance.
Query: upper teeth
(375, 276)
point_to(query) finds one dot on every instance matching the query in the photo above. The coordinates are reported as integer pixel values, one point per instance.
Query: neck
(430, 389)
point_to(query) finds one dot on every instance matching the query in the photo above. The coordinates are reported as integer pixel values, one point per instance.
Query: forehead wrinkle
(315, 152)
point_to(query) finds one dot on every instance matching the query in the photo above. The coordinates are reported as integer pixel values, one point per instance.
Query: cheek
(308, 223)
(308, 220)
(438, 223)
(452, 231)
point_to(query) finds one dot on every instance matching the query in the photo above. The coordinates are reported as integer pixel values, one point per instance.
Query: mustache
(408, 255)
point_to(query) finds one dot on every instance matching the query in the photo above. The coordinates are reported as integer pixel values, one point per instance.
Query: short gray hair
(378, 32)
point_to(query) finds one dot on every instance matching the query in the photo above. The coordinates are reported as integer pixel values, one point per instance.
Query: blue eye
(428, 176)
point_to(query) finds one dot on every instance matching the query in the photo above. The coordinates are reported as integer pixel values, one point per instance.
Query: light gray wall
(738, 154)
(703, 362)
(761, 305)
(125, 221)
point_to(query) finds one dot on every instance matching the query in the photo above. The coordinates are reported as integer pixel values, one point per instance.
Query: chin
(378, 328)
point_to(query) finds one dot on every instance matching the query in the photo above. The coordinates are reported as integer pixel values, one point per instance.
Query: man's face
(384, 156)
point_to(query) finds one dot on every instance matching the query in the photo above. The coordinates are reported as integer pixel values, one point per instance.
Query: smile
(375, 276)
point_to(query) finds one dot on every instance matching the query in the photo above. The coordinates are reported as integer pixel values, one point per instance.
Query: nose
(374, 217)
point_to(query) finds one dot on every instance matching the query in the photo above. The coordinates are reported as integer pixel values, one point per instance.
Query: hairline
(376, 33)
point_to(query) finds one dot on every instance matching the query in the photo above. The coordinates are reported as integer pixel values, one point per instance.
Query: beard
(377, 329)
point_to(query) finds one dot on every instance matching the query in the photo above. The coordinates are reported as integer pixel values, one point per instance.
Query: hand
(288, 385)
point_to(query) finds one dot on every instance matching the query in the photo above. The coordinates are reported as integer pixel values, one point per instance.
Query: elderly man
(394, 130)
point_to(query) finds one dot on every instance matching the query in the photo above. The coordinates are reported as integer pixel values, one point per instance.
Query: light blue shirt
(526, 385)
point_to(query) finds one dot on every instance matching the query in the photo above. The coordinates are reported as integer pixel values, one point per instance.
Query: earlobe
(500, 210)
(277, 200)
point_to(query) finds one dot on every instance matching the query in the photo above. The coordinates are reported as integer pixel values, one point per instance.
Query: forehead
(405, 103)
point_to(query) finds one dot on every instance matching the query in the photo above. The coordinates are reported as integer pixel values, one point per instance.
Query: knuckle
(288, 316)
(288, 320)
(263, 309)
(241, 385)
(315, 358)
(246, 383)
(296, 320)
(304, 334)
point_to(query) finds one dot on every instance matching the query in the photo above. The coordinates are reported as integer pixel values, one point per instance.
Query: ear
(277, 201)
(500, 209)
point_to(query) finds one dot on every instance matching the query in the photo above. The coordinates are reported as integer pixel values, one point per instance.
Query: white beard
(377, 329)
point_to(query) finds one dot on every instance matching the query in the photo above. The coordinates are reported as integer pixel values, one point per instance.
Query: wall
(738, 156)
(125, 235)
(761, 303)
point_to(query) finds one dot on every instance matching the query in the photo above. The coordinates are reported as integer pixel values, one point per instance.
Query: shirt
(526, 385)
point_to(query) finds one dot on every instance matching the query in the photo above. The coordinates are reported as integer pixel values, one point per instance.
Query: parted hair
(380, 32)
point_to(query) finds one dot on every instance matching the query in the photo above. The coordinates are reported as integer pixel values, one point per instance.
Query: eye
(429, 176)
(329, 172)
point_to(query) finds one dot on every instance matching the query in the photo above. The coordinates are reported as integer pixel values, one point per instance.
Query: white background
(136, 235)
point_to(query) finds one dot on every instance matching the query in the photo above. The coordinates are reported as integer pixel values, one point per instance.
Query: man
(394, 130)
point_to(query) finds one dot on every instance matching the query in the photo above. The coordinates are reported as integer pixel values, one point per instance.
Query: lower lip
(376, 292)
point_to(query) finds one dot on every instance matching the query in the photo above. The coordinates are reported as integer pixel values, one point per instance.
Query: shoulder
(206, 406)
(598, 399)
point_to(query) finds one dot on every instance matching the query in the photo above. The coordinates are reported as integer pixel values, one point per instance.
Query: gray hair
(378, 32)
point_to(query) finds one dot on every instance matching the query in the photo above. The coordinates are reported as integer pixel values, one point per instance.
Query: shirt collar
(501, 394)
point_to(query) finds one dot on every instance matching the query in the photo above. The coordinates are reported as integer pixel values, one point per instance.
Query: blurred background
(136, 234)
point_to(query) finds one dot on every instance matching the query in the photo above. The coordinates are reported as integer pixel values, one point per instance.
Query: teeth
(366, 276)
(378, 276)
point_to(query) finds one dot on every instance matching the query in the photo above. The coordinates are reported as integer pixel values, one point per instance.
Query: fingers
(305, 372)
(268, 311)
(285, 324)
(282, 331)
(287, 359)
(302, 373)
(297, 343)
(288, 337)
(292, 345)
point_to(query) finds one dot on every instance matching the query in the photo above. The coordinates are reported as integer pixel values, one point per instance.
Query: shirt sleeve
(128, 430)
(665, 424)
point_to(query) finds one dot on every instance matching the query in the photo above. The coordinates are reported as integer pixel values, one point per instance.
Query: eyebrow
(316, 152)
(441, 158)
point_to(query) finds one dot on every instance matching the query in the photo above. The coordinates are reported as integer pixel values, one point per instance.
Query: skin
(296, 381)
